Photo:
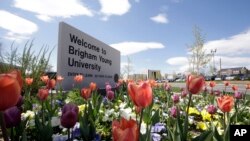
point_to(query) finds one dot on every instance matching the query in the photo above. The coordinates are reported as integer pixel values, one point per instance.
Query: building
(154, 74)
(238, 71)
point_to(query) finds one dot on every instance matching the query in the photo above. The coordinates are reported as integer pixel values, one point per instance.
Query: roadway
(219, 86)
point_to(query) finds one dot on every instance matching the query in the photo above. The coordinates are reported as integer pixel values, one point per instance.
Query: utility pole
(220, 68)
(213, 52)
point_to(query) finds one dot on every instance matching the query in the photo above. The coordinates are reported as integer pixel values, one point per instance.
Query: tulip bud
(238, 95)
(211, 109)
(10, 89)
(86, 93)
(12, 117)
(176, 98)
(43, 94)
(108, 87)
(69, 115)
(195, 83)
(51, 84)
(110, 95)
(173, 112)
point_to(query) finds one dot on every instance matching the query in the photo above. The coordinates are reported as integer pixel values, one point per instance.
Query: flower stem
(42, 112)
(69, 134)
(3, 127)
(224, 121)
(186, 118)
(140, 120)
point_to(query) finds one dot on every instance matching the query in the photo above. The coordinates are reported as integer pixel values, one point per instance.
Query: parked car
(230, 78)
(217, 78)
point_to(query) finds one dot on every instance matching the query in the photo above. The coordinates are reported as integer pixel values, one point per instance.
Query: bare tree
(128, 68)
(198, 58)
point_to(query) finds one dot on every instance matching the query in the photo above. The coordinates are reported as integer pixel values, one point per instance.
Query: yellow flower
(193, 111)
(205, 115)
(201, 125)
(81, 107)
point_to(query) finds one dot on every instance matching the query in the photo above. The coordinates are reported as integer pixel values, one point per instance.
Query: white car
(217, 78)
(230, 78)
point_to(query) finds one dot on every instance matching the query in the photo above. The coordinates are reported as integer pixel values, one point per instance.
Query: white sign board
(79, 53)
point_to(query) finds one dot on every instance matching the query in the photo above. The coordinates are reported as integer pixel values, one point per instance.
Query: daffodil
(205, 115)
(202, 126)
(193, 110)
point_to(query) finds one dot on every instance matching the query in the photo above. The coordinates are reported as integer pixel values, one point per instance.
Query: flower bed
(129, 111)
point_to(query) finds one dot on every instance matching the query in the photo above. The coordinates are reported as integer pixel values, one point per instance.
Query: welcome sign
(79, 53)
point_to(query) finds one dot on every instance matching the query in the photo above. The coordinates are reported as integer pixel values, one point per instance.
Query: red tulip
(78, 78)
(195, 83)
(86, 93)
(225, 103)
(51, 83)
(10, 89)
(212, 84)
(141, 95)
(59, 78)
(43, 94)
(92, 86)
(125, 130)
(235, 88)
(28, 81)
(17, 74)
(45, 78)
(226, 83)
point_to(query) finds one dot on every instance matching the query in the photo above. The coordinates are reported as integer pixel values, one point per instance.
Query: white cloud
(177, 61)
(48, 9)
(234, 45)
(18, 28)
(128, 48)
(160, 18)
(114, 7)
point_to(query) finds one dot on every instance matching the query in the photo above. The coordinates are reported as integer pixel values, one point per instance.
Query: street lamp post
(213, 52)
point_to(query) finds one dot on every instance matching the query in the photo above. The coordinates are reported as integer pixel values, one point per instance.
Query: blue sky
(153, 33)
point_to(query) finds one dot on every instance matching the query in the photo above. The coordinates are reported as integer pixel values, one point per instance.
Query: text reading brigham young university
(83, 54)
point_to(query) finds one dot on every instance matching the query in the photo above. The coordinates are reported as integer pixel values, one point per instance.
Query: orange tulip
(59, 78)
(225, 103)
(195, 83)
(226, 83)
(51, 83)
(152, 83)
(92, 86)
(78, 78)
(248, 86)
(212, 84)
(10, 89)
(235, 88)
(125, 130)
(141, 95)
(28, 81)
(85, 93)
(44, 78)
(43, 94)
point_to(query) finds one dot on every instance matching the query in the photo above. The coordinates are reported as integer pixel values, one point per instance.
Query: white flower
(127, 113)
(28, 115)
(143, 128)
(55, 121)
